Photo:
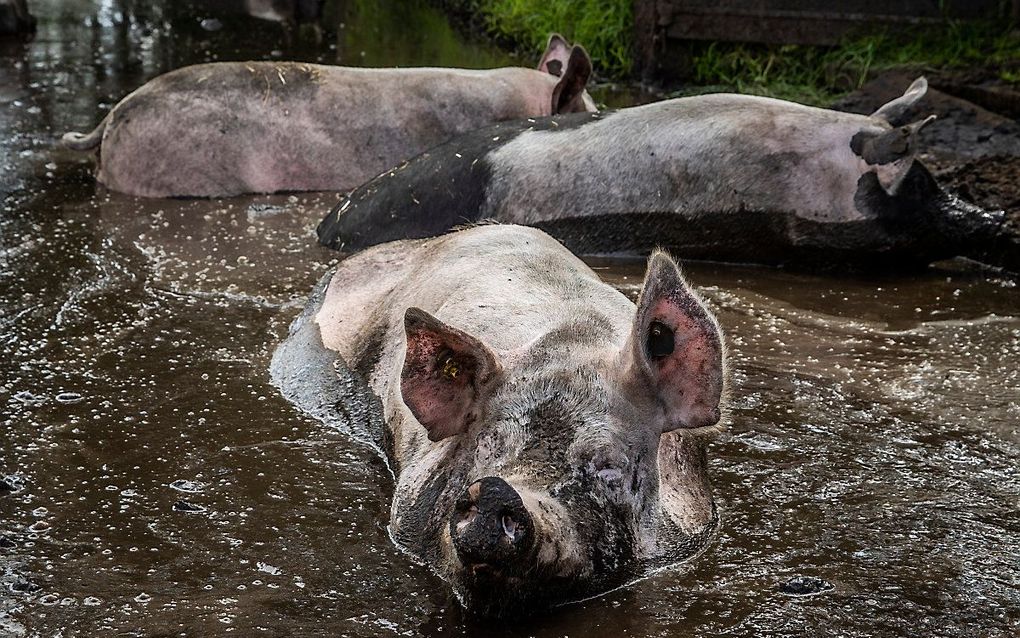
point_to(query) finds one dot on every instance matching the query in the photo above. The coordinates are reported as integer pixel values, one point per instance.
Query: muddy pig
(723, 177)
(228, 128)
(547, 436)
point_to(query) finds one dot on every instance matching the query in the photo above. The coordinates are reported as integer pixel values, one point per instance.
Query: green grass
(604, 27)
(817, 75)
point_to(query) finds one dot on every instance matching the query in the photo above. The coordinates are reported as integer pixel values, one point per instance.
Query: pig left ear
(445, 372)
(675, 348)
(568, 94)
(556, 56)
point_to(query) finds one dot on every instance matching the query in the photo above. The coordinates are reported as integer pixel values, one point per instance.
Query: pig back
(229, 128)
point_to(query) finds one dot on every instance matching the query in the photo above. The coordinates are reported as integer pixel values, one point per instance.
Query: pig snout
(491, 527)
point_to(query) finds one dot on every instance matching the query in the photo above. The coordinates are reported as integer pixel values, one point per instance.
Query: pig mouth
(491, 592)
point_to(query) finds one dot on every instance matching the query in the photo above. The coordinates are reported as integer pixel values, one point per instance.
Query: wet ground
(154, 483)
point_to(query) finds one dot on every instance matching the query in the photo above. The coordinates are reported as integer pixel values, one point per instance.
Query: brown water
(161, 486)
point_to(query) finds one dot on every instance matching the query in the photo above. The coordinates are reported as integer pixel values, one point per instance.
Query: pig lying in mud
(723, 177)
(227, 128)
(547, 437)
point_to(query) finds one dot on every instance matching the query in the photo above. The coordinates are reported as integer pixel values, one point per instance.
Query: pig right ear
(568, 94)
(894, 110)
(675, 348)
(445, 372)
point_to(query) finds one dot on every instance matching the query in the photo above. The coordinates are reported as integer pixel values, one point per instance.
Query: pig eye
(660, 341)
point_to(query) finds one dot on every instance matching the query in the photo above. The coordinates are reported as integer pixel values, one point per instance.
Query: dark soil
(992, 182)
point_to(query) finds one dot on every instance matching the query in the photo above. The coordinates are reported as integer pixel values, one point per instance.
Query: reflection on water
(153, 482)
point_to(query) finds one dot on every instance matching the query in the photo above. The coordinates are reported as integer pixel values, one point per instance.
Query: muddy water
(155, 483)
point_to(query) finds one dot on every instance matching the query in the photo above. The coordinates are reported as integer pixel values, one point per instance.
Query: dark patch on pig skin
(433, 192)
(918, 224)
(320, 382)
(422, 521)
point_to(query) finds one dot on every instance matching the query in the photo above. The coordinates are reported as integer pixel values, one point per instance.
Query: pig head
(564, 467)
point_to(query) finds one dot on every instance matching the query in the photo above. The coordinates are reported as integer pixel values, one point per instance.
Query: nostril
(610, 474)
(510, 528)
(609, 468)
(466, 516)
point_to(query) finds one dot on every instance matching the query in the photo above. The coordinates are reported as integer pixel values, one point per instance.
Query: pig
(227, 128)
(547, 436)
(15, 18)
(719, 177)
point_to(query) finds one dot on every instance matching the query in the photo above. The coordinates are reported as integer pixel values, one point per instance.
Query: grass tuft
(604, 27)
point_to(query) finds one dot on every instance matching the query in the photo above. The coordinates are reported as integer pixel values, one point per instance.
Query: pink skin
(229, 128)
(510, 308)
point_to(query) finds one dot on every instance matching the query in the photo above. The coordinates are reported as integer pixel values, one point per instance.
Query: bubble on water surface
(805, 586)
(185, 506)
(29, 398)
(269, 569)
(11, 484)
(23, 586)
(189, 487)
(69, 398)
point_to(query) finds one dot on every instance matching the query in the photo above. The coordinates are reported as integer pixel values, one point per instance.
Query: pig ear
(675, 348)
(556, 56)
(892, 111)
(445, 372)
(889, 146)
(568, 95)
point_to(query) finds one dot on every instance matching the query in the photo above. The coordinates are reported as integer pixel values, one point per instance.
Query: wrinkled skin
(548, 438)
(724, 177)
(227, 128)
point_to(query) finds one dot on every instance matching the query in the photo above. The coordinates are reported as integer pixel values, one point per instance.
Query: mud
(162, 486)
